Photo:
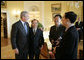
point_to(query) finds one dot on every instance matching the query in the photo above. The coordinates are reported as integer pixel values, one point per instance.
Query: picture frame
(56, 7)
(3, 4)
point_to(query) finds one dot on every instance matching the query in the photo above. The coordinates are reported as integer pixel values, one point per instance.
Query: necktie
(25, 27)
(34, 31)
(56, 28)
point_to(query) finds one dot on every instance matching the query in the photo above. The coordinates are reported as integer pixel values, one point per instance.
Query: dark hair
(71, 16)
(34, 20)
(58, 15)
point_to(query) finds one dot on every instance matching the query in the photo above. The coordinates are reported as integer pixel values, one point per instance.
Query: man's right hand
(16, 51)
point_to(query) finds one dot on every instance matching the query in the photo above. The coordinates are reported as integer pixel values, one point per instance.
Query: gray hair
(23, 13)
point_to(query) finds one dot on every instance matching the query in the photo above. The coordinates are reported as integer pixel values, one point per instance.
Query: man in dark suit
(36, 40)
(69, 43)
(79, 27)
(56, 33)
(20, 36)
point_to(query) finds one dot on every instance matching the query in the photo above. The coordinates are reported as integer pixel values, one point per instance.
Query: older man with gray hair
(20, 36)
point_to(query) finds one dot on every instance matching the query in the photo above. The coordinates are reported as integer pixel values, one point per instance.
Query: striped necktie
(25, 26)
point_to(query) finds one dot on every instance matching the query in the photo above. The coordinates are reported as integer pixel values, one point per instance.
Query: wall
(79, 10)
(44, 9)
(65, 7)
(11, 6)
(38, 13)
(48, 22)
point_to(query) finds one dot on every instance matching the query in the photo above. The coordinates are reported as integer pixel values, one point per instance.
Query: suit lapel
(32, 31)
(35, 33)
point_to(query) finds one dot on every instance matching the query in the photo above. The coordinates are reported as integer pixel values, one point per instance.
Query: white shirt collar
(22, 22)
(34, 29)
(69, 27)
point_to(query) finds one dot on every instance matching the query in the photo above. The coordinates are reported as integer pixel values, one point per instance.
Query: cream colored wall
(48, 14)
(78, 11)
(11, 6)
(65, 7)
(44, 8)
(28, 5)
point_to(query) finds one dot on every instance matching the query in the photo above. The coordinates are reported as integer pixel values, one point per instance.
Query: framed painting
(55, 7)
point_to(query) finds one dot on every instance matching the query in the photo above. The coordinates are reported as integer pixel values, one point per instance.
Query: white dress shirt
(22, 22)
(34, 30)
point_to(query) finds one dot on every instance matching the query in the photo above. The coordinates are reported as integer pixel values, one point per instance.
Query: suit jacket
(56, 32)
(37, 40)
(19, 38)
(69, 44)
(79, 25)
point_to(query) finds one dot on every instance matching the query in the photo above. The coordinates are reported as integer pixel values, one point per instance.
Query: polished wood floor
(8, 53)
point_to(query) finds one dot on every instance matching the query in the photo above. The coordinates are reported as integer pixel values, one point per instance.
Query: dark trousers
(34, 53)
(57, 54)
(21, 55)
(80, 35)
